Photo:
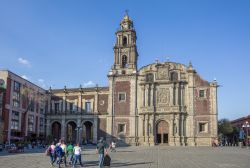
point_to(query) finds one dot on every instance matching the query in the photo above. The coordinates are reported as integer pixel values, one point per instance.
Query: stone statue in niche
(163, 96)
(162, 73)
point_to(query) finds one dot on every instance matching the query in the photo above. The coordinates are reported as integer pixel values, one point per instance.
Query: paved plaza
(143, 157)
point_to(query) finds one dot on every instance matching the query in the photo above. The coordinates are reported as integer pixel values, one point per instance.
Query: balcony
(70, 112)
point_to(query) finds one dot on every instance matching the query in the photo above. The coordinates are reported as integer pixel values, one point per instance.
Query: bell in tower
(125, 50)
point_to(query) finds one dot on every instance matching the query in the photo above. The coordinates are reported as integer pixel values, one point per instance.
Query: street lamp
(78, 129)
(246, 125)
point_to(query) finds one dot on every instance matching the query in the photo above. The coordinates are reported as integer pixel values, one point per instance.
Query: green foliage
(225, 127)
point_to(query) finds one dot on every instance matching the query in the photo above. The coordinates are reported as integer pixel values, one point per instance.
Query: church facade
(161, 103)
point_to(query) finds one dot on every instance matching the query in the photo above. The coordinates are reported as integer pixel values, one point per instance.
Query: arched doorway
(71, 132)
(88, 132)
(56, 130)
(162, 132)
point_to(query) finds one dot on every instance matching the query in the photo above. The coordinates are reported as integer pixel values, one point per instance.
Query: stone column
(183, 130)
(152, 95)
(143, 128)
(172, 131)
(146, 129)
(182, 95)
(151, 134)
(95, 129)
(60, 106)
(177, 95)
(79, 108)
(96, 102)
(64, 104)
(177, 135)
(53, 106)
(174, 95)
(48, 128)
(146, 95)
(143, 95)
(49, 103)
(78, 132)
(63, 134)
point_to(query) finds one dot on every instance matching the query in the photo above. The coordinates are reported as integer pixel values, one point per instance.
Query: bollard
(240, 144)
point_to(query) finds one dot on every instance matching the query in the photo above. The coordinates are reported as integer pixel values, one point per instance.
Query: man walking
(100, 149)
(77, 155)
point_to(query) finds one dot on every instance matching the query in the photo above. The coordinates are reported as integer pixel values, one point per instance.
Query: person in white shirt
(77, 154)
(64, 151)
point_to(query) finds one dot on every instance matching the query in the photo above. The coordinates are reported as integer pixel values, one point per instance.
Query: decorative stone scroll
(163, 96)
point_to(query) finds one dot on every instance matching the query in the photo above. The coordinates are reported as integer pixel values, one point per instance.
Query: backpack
(48, 151)
(58, 150)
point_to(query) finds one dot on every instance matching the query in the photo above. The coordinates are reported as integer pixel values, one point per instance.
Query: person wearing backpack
(64, 151)
(59, 154)
(51, 152)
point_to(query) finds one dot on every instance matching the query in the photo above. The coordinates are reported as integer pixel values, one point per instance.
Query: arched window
(124, 61)
(174, 76)
(124, 41)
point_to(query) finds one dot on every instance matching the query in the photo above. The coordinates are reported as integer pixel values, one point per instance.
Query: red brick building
(242, 121)
(2, 106)
(23, 111)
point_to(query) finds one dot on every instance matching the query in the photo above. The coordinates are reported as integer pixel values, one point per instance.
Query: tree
(225, 127)
(31, 98)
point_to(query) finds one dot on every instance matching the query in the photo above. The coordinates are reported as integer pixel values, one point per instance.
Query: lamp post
(246, 125)
(78, 128)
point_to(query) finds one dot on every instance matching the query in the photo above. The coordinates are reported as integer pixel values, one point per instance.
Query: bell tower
(125, 50)
(122, 120)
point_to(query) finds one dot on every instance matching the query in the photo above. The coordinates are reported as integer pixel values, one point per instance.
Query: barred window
(202, 93)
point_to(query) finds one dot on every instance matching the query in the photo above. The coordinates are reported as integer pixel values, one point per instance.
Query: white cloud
(24, 62)
(41, 83)
(88, 84)
(25, 77)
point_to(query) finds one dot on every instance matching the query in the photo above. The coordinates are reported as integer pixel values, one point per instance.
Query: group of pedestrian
(61, 153)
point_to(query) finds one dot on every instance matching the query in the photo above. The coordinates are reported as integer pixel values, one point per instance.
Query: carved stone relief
(162, 73)
(163, 96)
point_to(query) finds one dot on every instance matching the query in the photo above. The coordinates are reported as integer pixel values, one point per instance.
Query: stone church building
(161, 103)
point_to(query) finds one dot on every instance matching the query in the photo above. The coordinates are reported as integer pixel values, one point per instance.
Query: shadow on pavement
(128, 164)
(95, 163)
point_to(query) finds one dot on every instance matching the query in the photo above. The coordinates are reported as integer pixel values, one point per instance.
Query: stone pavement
(144, 157)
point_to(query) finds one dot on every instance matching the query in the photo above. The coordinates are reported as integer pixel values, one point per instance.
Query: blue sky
(59, 42)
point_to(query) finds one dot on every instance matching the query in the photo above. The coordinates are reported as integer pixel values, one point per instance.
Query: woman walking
(52, 154)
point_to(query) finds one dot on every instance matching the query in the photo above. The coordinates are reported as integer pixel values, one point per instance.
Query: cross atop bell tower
(125, 50)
